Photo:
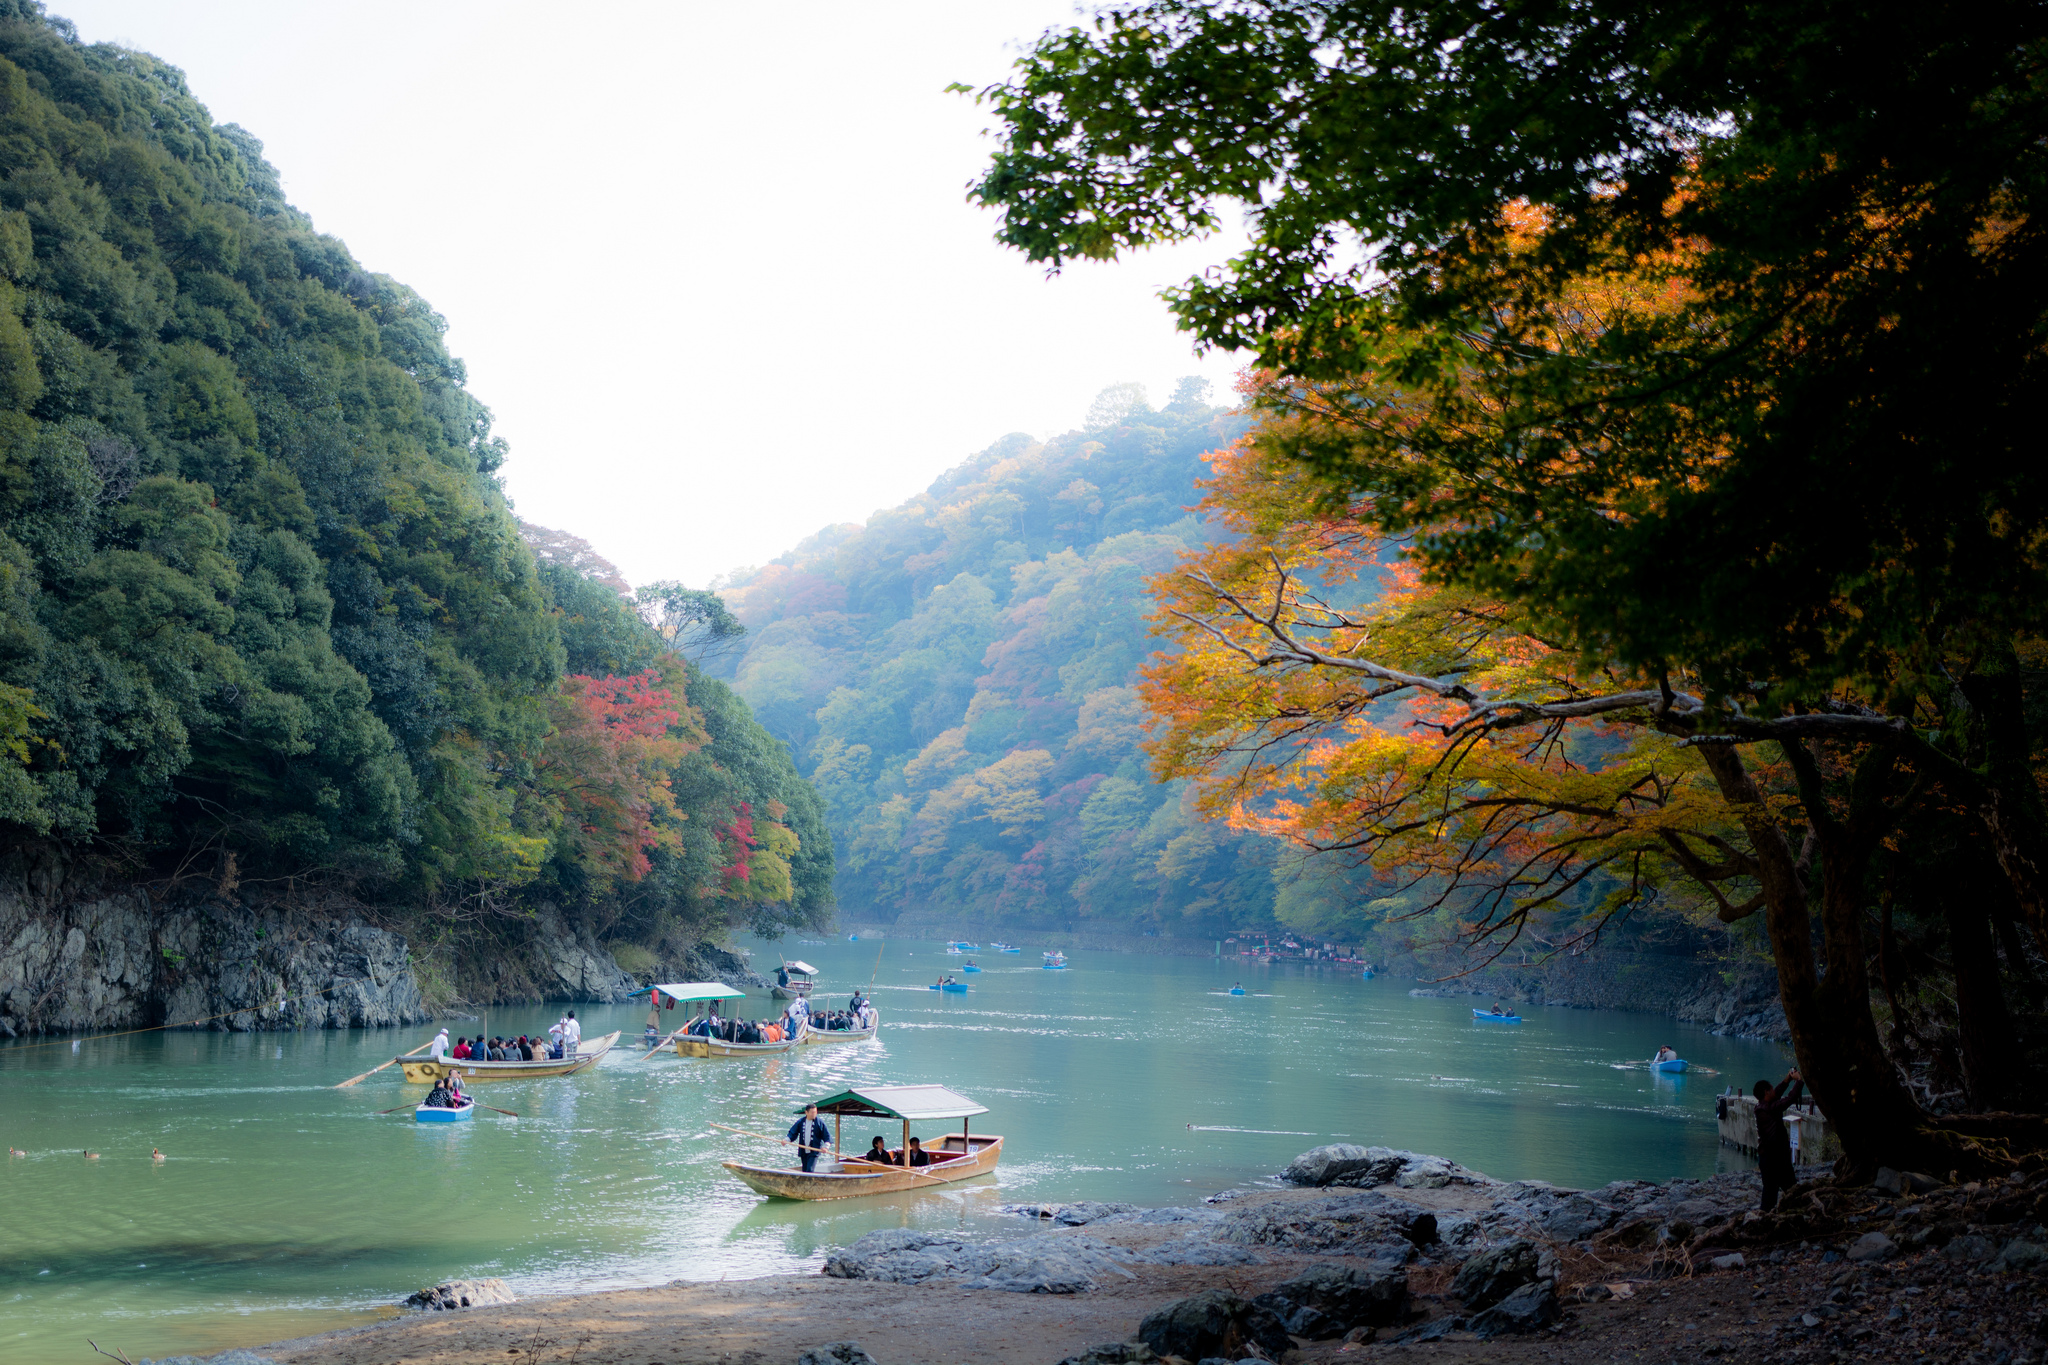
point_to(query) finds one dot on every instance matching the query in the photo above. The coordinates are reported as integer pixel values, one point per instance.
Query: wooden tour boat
(427, 1070)
(841, 1035)
(957, 1156)
(800, 981)
(697, 998)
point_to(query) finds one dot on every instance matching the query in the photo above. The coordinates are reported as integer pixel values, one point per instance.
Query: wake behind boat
(957, 1156)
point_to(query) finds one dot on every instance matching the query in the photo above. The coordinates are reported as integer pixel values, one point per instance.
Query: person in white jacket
(572, 1034)
(438, 1049)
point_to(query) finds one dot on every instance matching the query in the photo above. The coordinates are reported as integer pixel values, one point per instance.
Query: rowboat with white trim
(445, 1113)
(427, 1070)
(957, 1156)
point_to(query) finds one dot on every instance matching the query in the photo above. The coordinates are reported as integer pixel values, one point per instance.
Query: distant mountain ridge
(956, 677)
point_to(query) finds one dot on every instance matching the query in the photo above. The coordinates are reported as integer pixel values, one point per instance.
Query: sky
(710, 265)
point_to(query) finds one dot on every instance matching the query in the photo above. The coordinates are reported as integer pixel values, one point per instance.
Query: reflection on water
(288, 1207)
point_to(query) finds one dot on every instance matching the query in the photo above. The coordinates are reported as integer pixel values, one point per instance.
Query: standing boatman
(572, 1034)
(1773, 1143)
(438, 1049)
(810, 1134)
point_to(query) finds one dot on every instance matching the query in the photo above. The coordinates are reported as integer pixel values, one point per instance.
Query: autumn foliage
(607, 763)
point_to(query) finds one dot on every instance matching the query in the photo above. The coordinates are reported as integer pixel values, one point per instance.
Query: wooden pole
(393, 1062)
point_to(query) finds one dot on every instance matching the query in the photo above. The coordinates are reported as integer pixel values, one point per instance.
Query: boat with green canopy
(957, 1156)
(697, 999)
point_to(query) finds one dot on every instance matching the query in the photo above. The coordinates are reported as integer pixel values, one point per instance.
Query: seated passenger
(1666, 1054)
(918, 1155)
(437, 1098)
(878, 1152)
(461, 1053)
(525, 1048)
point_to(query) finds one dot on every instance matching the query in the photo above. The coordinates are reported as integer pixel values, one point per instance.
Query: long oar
(800, 1147)
(375, 1069)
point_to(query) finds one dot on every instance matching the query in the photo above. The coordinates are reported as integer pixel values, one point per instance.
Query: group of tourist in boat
(447, 1093)
(565, 1035)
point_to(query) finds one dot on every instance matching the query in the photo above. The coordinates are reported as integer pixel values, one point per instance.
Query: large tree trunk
(1986, 1026)
(1834, 1034)
(2012, 809)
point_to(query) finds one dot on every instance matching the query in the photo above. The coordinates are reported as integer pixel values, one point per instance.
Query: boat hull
(1675, 1067)
(427, 1113)
(426, 1070)
(1486, 1017)
(794, 990)
(958, 989)
(824, 1035)
(858, 1178)
(688, 1045)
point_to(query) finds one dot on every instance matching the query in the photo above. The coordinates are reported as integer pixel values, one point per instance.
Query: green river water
(286, 1207)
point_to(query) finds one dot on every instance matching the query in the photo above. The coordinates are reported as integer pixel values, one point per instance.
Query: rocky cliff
(131, 958)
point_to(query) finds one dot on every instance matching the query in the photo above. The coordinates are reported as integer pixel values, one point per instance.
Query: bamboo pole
(393, 1062)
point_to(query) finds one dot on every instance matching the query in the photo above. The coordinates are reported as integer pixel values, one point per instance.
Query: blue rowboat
(853, 938)
(428, 1113)
(959, 986)
(1237, 990)
(1492, 1018)
(1055, 966)
(970, 967)
(1675, 1067)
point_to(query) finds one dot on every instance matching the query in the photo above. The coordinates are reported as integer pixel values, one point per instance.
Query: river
(286, 1207)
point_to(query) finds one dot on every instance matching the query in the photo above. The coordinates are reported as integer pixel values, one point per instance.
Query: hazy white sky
(709, 264)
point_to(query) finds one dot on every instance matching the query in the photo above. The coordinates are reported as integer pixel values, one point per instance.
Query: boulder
(1492, 1275)
(1970, 1248)
(2021, 1255)
(455, 1294)
(1073, 1215)
(1732, 1261)
(1029, 1265)
(836, 1353)
(1214, 1322)
(1114, 1353)
(1873, 1246)
(1349, 1296)
(1344, 1163)
(1529, 1308)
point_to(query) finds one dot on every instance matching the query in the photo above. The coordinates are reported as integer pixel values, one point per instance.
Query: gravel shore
(1366, 1254)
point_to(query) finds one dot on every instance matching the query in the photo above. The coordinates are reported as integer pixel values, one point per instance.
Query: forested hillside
(265, 616)
(957, 676)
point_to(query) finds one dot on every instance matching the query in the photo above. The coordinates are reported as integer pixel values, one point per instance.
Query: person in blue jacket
(810, 1134)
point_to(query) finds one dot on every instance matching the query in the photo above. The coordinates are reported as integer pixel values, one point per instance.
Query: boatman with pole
(438, 1049)
(572, 1034)
(810, 1134)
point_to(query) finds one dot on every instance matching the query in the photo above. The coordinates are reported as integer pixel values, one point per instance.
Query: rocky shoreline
(1358, 1252)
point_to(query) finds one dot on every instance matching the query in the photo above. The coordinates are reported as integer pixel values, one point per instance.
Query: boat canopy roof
(804, 967)
(687, 992)
(900, 1102)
